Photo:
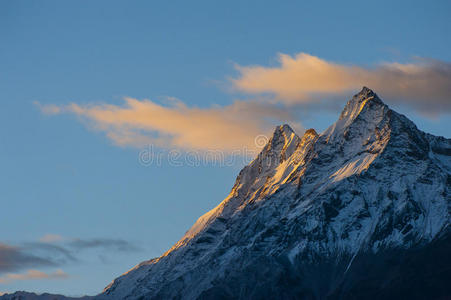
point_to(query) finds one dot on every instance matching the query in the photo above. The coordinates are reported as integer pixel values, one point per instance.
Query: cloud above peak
(422, 83)
(177, 125)
(296, 87)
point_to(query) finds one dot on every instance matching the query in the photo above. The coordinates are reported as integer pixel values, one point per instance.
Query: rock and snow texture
(310, 213)
(360, 211)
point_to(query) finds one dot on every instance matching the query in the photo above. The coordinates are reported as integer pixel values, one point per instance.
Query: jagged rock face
(355, 212)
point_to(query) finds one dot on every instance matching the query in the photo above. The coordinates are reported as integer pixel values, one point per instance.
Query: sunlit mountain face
(361, 211)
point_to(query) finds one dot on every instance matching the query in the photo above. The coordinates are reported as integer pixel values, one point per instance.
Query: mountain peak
(361, 102)
(284, 128)
(366, 95)
(311, 131)
(367, 92)
(361, 113)
(283, 136)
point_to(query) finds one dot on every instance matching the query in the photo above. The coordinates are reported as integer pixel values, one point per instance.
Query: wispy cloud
(33, 274)
(53, 253)
(423, 83)
(59, 254)
(142, 122)
(49, 109)
(113, 244)
(15, 258)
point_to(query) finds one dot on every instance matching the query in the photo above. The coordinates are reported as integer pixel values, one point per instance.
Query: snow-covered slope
(305, 215)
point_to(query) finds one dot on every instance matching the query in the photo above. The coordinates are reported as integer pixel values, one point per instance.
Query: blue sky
(66, 173)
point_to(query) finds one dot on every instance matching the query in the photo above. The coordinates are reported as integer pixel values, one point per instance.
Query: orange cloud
(141, 122)
(423, 83)
(33, 275)
(49, 109)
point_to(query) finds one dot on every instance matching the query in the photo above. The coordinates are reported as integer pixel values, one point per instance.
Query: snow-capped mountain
(360, 211)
